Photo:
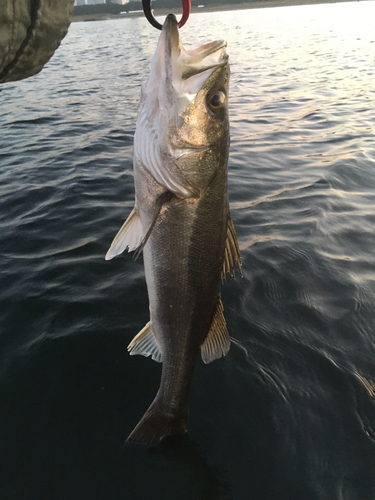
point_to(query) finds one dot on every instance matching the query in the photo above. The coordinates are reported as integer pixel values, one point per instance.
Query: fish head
(186, 102)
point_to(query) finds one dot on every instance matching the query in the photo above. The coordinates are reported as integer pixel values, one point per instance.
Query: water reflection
(183, 450)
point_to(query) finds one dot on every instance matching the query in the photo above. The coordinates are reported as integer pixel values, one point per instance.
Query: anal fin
(145, 343)
(217, 342)
(130, 235)
(232, 252)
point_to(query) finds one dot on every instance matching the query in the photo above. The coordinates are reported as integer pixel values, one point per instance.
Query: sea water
(289, 413)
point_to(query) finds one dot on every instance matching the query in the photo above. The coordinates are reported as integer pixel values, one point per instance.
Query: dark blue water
(289, 414)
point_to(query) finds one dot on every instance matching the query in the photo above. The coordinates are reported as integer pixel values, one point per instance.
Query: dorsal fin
(145, 343)
(232, 252)
(130, 235)
(217, 342)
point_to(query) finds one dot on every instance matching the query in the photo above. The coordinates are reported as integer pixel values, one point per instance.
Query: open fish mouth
(183, 64)
(208, 56)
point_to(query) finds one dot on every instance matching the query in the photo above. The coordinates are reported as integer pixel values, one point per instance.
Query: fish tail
(156, 424)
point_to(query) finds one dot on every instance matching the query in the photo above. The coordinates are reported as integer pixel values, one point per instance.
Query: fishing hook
(146, 4)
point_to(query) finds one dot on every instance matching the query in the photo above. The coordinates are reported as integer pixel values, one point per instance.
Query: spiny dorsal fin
(130, 235)
(217, 342)
(232, 252)
(144, 343)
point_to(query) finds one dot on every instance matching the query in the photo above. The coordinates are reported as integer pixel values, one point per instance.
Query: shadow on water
(181, 454)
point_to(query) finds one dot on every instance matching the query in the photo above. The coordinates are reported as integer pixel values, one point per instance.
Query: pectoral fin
(129, 236)
(131, 233)
(217, 342)
(163, 198)
(145, 343)
(232, 252)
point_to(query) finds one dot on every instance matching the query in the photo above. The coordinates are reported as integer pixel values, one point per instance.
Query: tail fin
(155, 424)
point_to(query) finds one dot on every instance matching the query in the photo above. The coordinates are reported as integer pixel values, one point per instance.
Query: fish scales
(181, 220)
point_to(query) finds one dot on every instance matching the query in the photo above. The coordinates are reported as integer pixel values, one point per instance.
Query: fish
(181, 220)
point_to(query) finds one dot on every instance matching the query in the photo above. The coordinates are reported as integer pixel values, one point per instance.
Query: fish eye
(216, 100)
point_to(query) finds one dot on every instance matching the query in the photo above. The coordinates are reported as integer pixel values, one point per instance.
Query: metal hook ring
(186, 6)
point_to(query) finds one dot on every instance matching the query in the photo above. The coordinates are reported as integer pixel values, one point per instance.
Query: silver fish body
(181, 220)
